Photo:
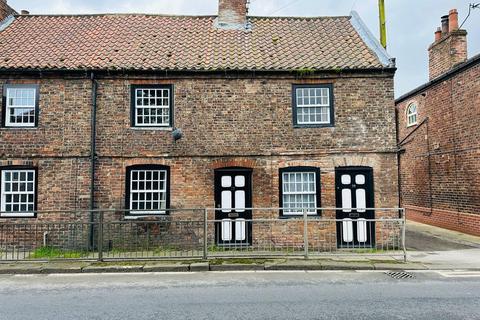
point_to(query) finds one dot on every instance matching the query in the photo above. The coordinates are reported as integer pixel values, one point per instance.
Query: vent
(400, 275)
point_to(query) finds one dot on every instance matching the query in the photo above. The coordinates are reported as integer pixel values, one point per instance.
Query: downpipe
(91, 240)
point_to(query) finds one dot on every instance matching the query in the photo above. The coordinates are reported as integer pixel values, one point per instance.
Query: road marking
(459, 274)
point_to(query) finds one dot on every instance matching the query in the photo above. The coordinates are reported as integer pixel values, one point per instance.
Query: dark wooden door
(233, 196)
(354, 193)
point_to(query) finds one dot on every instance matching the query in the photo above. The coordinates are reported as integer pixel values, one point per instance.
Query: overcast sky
(410, 23)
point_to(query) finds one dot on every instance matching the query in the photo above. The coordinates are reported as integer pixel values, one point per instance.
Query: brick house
(150, 113)
(439, 136)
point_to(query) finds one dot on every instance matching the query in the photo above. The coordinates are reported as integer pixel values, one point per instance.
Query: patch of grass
(54, 253)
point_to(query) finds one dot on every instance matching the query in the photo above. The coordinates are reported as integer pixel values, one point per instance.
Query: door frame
(247, 214)
(370, 203)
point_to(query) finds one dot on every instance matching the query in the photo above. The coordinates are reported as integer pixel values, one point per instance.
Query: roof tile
(157, 42)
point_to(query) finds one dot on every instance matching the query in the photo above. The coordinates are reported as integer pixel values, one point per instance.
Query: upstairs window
(299, 190)
(412, 114)
(20, 105)
(17, 192)
(152, 106)
(148, 189)
(313, 105)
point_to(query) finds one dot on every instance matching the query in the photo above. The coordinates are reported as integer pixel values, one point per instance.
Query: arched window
(412, 114)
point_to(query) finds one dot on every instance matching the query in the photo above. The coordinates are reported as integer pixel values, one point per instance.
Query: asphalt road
(249, 295)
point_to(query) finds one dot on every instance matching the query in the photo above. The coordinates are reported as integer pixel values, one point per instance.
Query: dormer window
(412, 114)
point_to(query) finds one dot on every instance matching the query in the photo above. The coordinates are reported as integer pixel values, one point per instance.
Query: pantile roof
(158, 42)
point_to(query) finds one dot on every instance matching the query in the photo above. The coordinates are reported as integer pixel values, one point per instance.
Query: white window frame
(326, 103)
(311, 211)
(157, 108)
(4, 193)
(410, 115)
(9, 106)
(144, 191)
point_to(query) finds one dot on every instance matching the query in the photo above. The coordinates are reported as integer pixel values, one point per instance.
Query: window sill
(300, 216)
(303, 126)
(16, 215)
(18, 128)
(143, 215)
(412, 125)
(152, 128)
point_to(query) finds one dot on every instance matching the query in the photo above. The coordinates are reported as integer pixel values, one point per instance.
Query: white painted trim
(370, 40)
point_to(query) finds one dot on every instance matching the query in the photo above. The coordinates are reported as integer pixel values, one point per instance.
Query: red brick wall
(248, 118)
(453, 182)
(226, 122)
(447, 52)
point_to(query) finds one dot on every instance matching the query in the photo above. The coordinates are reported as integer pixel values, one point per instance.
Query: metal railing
(199, 233)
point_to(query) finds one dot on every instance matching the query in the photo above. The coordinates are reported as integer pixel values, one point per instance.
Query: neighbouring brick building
(439, 134)
(267, 112)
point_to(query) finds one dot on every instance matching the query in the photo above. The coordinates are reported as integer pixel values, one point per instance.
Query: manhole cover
(400, 275)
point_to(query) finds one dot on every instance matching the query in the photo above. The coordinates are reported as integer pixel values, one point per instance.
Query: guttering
(390, 70)
(93, 128)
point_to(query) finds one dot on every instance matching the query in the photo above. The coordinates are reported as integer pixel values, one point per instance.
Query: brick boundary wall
(457, 221)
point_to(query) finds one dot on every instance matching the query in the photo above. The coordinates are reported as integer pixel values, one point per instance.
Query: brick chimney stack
(232, 14)
(449, 47)
(5, 10)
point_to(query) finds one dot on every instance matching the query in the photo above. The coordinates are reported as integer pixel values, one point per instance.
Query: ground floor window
(148, 189)
(299, 189)
(17, 197)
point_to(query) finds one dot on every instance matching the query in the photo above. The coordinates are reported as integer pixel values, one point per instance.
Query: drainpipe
(92, 158)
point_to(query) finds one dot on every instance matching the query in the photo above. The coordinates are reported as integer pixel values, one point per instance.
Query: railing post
(305, 233)
(403, 235)
(205, 234)
(100, 236)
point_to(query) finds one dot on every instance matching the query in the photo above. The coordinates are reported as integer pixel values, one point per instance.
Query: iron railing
(198, 234)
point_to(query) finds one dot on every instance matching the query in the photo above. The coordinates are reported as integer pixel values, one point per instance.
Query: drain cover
(400, 275)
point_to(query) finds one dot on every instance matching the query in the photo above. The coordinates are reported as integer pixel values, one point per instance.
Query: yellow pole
(383, 28)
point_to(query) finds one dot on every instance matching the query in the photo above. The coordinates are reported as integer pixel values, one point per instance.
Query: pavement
(429, 248)
(438, 248)
(242, 295)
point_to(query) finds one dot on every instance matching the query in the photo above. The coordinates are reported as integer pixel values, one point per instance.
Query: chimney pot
(453, 20)
(232, 14)
(24, 12)
(445, 25)
(449, 48)
(438, 34)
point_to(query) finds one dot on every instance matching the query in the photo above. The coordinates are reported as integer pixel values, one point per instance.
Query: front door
(233, 194)
(354, 193)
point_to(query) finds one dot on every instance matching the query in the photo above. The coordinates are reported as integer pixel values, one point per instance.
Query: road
(241, 295)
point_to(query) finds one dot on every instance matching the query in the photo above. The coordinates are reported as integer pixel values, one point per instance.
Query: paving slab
(342, 265)
(199, 266)
(163, 267)
(21, 268)
(112, 268)
(236, 267)
(294, 265)
(399, 266)
(69, 267)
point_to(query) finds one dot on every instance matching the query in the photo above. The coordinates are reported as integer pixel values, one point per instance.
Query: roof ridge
(171, 15)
